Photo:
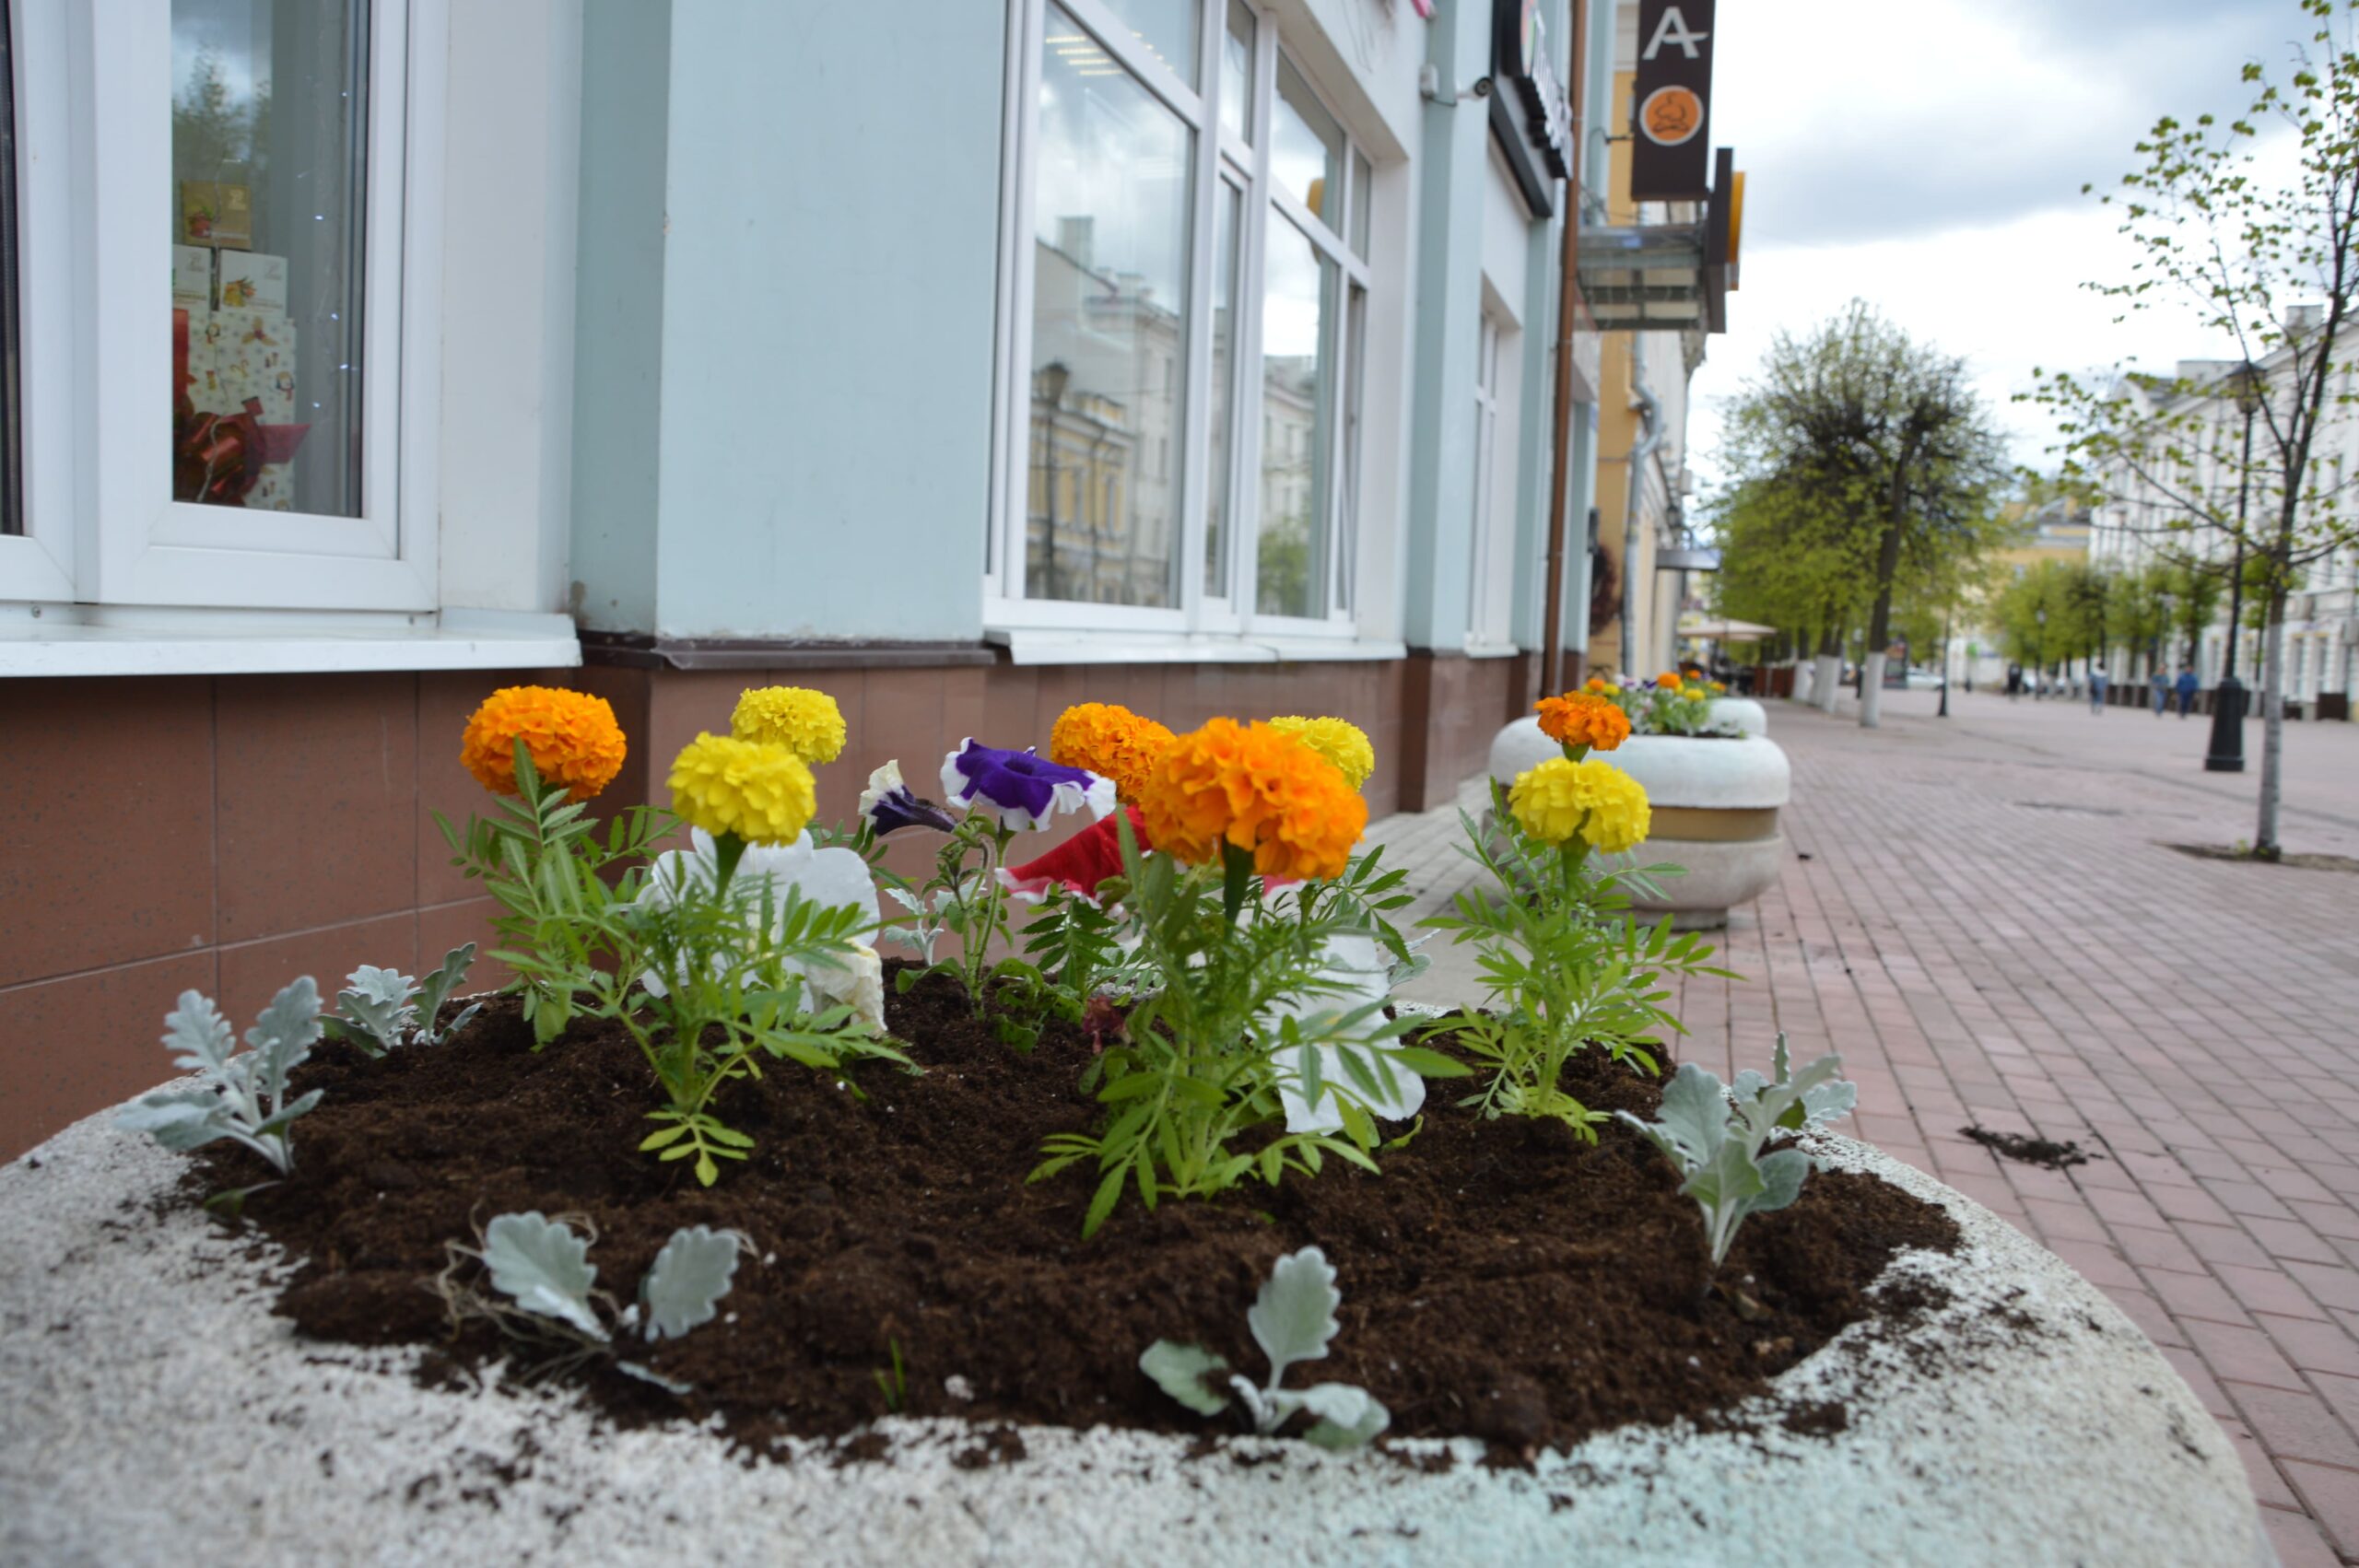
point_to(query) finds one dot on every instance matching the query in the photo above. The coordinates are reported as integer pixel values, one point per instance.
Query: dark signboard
(1672, 102)
(1530, 113)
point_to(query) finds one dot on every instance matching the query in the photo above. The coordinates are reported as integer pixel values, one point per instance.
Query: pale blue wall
(618, 319)
(817, 429)
(1452, 187)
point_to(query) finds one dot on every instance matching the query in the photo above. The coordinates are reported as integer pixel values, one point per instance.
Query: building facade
(964, 361)
(2145, 517)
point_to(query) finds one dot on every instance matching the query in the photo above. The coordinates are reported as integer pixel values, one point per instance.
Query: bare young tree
(2230, 453)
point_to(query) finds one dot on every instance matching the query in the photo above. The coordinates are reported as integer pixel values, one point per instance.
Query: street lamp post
(2227, 754)
(1053, 379)
(1949, 623)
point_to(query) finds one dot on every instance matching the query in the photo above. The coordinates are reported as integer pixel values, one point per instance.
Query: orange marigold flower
(572, 737)
(1597, 683)
(1259, 788)
(1582, 718)
(1668, 680)
(1110, 741)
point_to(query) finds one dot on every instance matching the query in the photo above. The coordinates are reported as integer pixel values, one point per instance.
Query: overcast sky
(1928, 157)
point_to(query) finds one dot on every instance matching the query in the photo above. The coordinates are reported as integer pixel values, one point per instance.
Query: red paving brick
(1992, 930)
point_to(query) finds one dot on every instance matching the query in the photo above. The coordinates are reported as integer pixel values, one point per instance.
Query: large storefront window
(1109, 321)
(267, 213)
(1185, 194)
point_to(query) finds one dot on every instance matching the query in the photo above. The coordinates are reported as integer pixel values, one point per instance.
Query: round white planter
(2027, 1421)
(1715, 804)
(1740, 714)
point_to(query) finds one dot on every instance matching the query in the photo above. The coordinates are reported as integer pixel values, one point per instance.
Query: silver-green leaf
(1181, 1371)
(545, 1266)
(688, 1280)
(1293, 1316)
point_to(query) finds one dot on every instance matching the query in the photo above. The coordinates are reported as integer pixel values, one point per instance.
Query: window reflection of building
(1104, 486)
(1289, 418)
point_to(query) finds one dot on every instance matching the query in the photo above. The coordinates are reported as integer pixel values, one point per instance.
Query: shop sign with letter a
(1671, 103)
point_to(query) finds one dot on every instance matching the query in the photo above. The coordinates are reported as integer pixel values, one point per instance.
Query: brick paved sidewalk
(1990, 928)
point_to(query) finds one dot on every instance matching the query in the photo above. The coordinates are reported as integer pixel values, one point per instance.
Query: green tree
(1887, 438)
(2272, 263)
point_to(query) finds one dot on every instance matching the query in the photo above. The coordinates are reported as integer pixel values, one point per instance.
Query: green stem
(727, 851)
(1237, 866)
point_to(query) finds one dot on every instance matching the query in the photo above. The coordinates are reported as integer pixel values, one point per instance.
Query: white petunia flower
(832, 878)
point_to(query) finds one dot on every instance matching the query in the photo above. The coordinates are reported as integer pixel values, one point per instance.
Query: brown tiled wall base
(223, 834)
(226, 834)
(1453, 706)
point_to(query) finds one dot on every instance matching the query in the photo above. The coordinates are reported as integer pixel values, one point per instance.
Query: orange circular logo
(1671, 115)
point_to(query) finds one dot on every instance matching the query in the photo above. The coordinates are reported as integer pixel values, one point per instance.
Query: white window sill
(1028, 646)
(1492, 650)
(241, 645)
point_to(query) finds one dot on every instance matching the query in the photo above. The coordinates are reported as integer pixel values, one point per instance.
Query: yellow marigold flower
(1559, 799)
(1717, 687)
(1583, 719)
(1110, 741)
(1668, 680)
(804, 721)
(762, 793)
(1340, 740)
(572, 737)
(1259, 788)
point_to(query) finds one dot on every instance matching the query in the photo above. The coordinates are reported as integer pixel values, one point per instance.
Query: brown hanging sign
(1671, 103)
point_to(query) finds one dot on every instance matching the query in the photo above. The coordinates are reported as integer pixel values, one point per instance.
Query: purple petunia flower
(890, 805)
(1022, 789)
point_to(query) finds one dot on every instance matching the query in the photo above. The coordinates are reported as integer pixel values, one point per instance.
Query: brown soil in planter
(1501, 1278)
(2044, 1153)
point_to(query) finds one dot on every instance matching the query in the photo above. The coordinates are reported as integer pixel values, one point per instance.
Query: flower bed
(901, 1223)
(1135, 1142)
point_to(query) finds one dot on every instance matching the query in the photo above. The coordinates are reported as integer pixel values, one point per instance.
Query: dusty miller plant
(380, 1010)
(242, 1097)
(542, 1266)
(1714, 1135)
(1292, 1320)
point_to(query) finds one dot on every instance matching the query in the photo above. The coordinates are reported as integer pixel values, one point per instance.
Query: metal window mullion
(1195, 432)
(1126, 51)
(1252, 290)
(1013, 445)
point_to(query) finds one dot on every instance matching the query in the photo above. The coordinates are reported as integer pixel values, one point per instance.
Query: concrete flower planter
(1740, 714)
(2019, 1419)
(1715, 802)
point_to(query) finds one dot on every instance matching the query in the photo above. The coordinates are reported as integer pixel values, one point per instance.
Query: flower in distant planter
(1560, 801)
(1020, 788)
(761, 794)
(1111, 741)
(804, 721)
(572, 737)
(1354, 973)
(890, 805)
(1340, 740)
(1584, 718)
(1668, 680)
(1258, 790)
(830, 878)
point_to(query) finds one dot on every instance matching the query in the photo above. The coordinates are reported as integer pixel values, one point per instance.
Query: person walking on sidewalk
(2185, 690)
(2162, 691)
(2099, 683)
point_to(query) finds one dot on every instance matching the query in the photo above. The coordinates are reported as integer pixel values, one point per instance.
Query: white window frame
(97, 126)
(1218, 159)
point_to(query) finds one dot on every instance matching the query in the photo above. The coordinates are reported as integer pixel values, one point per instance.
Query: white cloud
(1933, 166)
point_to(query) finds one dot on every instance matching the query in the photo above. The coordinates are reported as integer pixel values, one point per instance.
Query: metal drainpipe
(1651, 412)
